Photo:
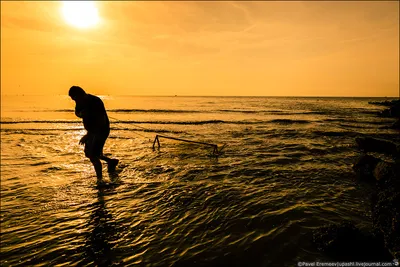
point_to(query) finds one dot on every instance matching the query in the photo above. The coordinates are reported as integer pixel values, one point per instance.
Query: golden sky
(311, 48)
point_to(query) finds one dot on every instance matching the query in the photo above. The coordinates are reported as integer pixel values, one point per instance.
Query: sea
(283, 169)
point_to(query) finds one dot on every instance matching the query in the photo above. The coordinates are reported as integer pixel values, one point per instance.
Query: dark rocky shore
(392, 112)
(378, 165)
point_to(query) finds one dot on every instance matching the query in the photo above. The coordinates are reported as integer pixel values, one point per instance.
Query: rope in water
(132, 129)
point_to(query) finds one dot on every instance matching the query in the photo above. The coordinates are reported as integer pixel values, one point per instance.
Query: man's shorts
(94, 145)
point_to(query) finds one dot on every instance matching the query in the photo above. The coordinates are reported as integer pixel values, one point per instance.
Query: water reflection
(102, 229)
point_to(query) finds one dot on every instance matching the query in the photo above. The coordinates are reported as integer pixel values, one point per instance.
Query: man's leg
(97, 167)
(111, 163)
(106, 159)
(90, 153)
(98, 146)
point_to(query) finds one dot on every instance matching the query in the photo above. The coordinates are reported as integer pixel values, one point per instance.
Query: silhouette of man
(95, 120)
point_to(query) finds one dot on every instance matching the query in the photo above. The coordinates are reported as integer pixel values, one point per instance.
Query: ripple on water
(282, 174)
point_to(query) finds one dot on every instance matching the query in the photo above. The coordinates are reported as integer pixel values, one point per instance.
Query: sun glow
(81, 14)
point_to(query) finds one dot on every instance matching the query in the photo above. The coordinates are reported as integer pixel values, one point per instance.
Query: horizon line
(310, 96)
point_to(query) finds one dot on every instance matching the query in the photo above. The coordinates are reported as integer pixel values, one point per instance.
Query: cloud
(42, 16)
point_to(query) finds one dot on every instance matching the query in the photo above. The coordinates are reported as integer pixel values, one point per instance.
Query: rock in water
(364, 168)
(369, 144)
(386, 205)
(396, 125)
(386, 219)
(345, 242)
(386, 171)
(393, 111)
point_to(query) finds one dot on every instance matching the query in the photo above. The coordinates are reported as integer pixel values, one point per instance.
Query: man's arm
(79, 110)
(83, 139)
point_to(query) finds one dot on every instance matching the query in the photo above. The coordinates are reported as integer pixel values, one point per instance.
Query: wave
(138, 122)
(38, 121)
(42, 129)
(279, 121)
(47, 110)
(244, 111)
(155, 111)
(288, 121)
(350, 120)
(201, 122)
(54, 131)
(273, 112)
(146, 130)
(336, 133)
(239, 111)
(337, 111)
(127, 111)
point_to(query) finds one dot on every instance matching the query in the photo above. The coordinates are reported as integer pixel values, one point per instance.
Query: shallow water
(285, 170)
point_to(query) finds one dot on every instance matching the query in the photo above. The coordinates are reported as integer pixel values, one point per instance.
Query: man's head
(76, 93)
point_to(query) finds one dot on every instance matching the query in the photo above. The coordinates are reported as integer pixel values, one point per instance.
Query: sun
(81, 14)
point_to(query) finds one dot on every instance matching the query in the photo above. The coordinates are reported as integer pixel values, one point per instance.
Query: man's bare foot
(100, 182)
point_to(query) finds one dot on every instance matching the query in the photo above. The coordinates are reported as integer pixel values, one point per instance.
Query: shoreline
(345, 241)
